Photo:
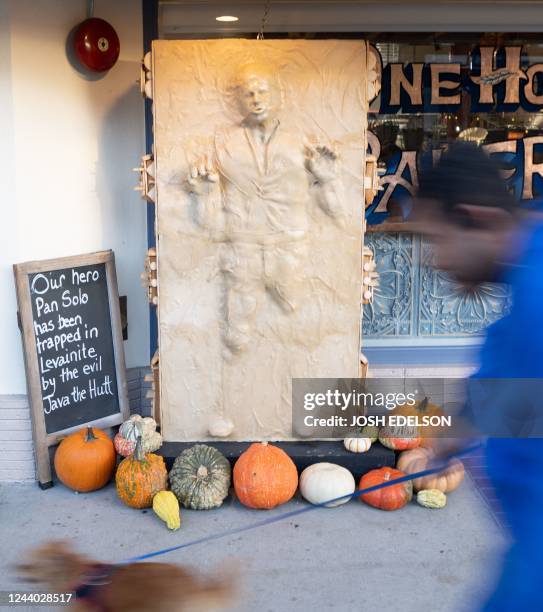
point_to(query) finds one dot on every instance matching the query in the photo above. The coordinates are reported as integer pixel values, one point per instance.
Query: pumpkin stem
(202, 472)
(422, 406)
(138, 451)
(90, 435)
(386, 476)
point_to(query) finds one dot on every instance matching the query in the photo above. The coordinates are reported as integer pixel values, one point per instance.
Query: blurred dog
(135, 587)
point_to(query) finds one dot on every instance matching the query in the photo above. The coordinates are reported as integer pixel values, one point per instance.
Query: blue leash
(299, 511)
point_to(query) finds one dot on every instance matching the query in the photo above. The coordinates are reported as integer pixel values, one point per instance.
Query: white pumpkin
(323, 481)
(357, 445)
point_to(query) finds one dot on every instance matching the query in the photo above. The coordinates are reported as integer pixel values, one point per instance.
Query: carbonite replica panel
(260, 151)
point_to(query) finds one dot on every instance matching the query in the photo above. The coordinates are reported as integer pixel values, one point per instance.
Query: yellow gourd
(432, 498)
(166, 507)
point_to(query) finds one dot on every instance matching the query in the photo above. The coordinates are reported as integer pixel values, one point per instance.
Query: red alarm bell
(96, 44)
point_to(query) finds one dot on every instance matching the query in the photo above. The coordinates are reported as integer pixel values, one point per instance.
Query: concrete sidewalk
(352, 558)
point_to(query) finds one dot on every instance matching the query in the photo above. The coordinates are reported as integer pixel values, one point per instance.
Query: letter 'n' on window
(411, 85)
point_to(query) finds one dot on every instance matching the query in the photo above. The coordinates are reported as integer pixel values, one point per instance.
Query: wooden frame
(43, 440)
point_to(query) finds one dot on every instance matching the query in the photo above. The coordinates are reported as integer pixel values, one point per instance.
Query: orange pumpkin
(85, 460)
(422, 408)
(399, 438)
(416, 460)
(426, 442)
(392, 497)
(140, 476)
(264, 476)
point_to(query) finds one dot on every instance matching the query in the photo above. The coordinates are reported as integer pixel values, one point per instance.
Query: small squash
(264, 476)
(323, 481)
(132, 427)
(417, 460)
(200, 477)
(123, 446)
(148, 426)
(423, 408)
(371, 432)
(151, 441)
(392, 497)
(399, 438)
(166, 507)
(427, 442)
(140, 477)
(136, 425)
(432, 498)
(85, 460)
(357, 445)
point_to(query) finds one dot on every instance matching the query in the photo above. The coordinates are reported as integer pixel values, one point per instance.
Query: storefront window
(436, 90)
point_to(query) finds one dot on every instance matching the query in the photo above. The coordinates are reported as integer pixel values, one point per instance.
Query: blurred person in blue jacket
(479, 236)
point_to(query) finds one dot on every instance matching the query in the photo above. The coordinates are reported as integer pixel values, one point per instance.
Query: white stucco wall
(68, 146)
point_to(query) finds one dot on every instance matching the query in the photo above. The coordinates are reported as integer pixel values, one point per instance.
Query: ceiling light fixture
(227, 18)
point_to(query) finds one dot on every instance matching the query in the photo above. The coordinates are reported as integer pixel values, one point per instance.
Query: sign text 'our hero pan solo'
(72, 331)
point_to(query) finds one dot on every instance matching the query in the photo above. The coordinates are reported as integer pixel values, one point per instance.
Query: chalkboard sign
(70, 322)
